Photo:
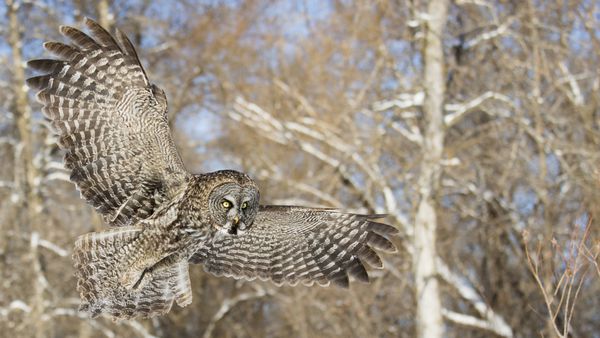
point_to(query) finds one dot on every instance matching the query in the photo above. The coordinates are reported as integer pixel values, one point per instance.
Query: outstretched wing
(101, 261)
(112, 122)
(295, 244)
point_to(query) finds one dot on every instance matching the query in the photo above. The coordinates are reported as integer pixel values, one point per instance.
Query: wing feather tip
(358, 271)
(89, 21)
(40, 64)
(383, 229)
(63, 29)
(382, 244)
(51, 45)
(342, 282)
(39, 82)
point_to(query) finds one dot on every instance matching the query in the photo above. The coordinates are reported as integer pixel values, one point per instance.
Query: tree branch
(281, 133)
(402, 101)
(575, 94)
(459, 110)
(229, 303)
(493, 321)
(498, 31)
(471, 321)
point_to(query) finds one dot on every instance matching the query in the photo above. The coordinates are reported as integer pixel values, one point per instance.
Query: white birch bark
(104, 15)
(429, 309)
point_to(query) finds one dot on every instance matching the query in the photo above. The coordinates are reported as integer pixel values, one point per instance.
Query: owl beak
(236, 220)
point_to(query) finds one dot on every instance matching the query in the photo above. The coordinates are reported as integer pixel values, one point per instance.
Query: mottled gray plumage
(295, 244)
(112, 122)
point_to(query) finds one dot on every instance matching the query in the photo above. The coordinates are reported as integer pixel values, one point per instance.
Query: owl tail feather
(105, 260)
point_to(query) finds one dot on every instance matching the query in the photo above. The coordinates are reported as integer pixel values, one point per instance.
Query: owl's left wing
(112, 122)
(296, 244)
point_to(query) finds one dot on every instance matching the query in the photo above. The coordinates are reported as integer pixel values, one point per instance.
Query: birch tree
(427, 294)
(25, 173)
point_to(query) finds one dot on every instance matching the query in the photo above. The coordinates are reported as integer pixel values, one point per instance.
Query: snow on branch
(473, 2)
(7, 184)
(493, 321)
(41, 280)
(13, 306)
(498, 31)
(58, 176)
(8, 140)
(52, 247)
(467, 320)
(460, 109)
(54, 165)
(414, 134)
(402, 101)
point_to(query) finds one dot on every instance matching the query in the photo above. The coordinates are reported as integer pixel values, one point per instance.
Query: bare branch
(402, 101)
(230, 303)
(57, 176)
(471, 321)
(8, 140)
(139, 328)
(278, 177)
(498, 31)
(53, 247)
(459, 110)
(298, 96)
(283, 133)
(575, 93)
(414, 134)
(495, 322)
(5, 184)
(13, 306)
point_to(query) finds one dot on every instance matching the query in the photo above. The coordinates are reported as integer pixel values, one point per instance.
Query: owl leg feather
(135, 277)
(181, 284)
(117, 275)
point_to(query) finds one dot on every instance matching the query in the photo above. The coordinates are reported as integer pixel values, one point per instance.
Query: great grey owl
(112, 122)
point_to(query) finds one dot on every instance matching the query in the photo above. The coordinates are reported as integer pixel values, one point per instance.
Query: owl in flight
(112, 122)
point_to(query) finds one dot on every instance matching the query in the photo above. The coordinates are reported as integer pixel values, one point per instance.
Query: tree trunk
(429, 311)
(104, 17)
(25, 173)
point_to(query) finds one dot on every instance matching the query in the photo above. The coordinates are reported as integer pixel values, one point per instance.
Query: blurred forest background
(474, 124)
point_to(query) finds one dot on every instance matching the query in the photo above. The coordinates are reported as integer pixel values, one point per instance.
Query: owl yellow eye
(226, 204)
(244, 205)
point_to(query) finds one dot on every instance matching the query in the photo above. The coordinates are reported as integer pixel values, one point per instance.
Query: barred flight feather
(295, 244)
(102, 120)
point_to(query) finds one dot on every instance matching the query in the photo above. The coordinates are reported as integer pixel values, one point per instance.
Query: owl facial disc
(234, 207)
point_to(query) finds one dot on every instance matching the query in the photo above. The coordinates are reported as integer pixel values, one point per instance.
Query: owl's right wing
(112, 122)
(296, 244)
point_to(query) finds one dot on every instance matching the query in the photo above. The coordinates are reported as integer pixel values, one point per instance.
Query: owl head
(233, 202)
